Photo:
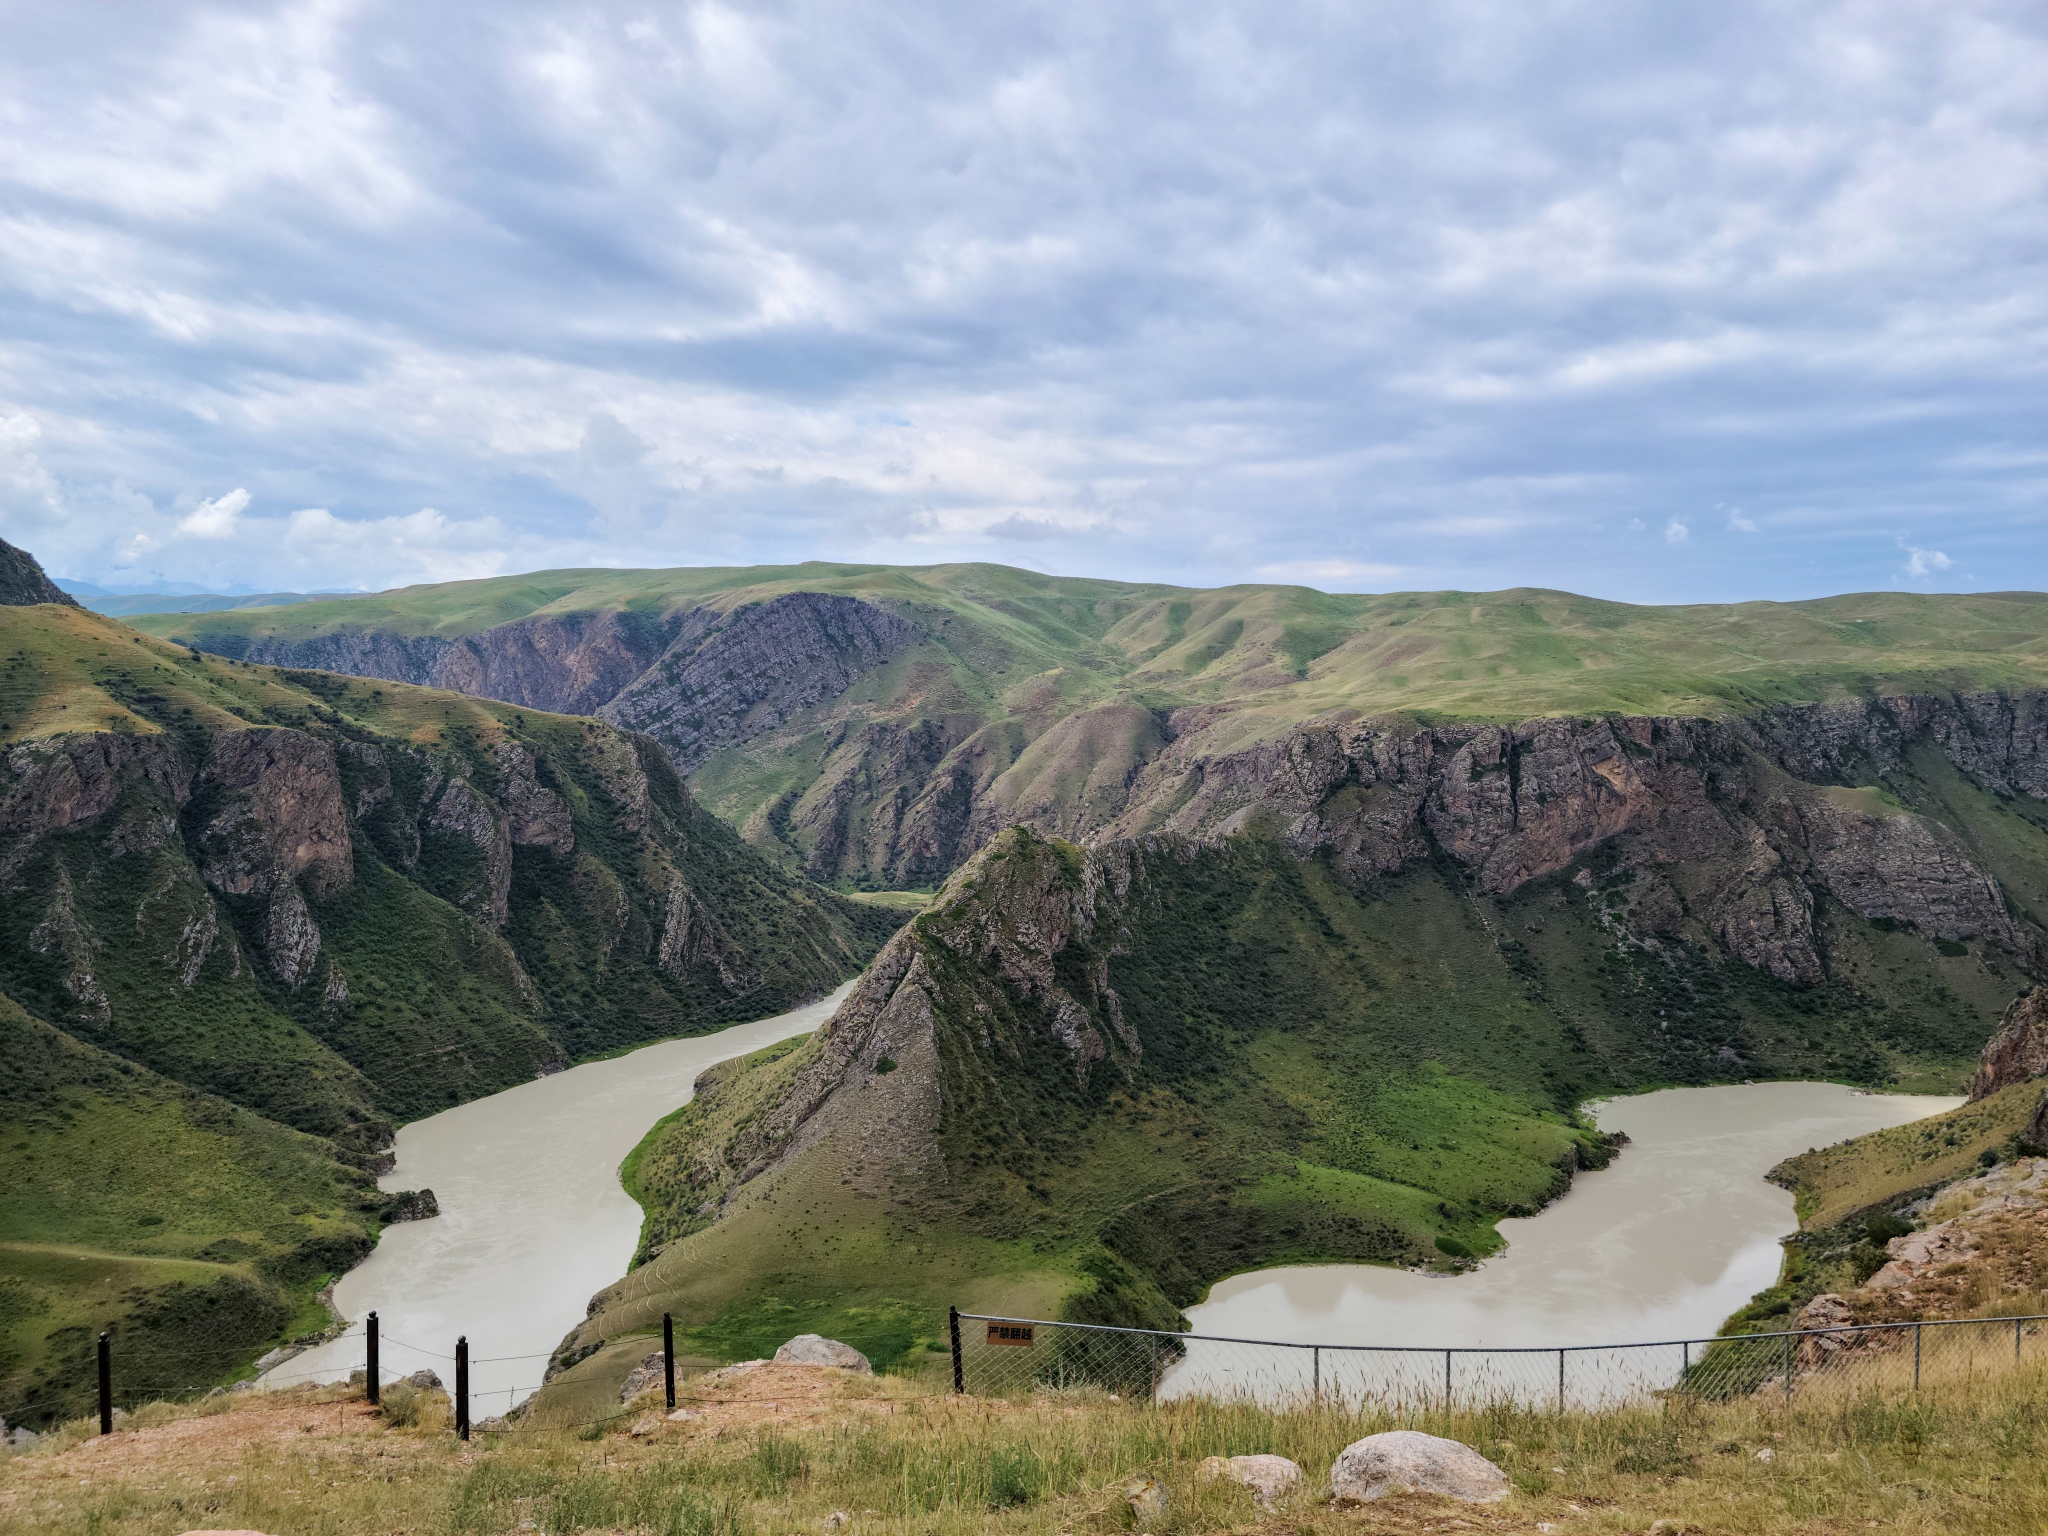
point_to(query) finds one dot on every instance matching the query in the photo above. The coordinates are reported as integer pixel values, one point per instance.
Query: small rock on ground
(1408, 1460)
(426, 1381)
(810, 1349)
(1146, 1498)
(1267, 1476)
(644, 1377)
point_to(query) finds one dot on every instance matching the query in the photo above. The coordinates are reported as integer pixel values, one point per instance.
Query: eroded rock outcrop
(22, 582)
(1730, 836)
(728, 676)
(2019, 1049)
(280, 822)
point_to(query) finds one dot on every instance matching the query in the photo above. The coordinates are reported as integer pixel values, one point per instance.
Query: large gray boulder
(810, 1349)
(1408, 1461)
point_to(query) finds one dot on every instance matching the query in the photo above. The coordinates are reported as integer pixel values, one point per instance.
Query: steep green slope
(197, 1230)
(249, 899)
(340, 903)
(875, 724)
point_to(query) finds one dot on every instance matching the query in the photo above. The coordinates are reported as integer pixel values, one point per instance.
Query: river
(1676, 1233)
(533, 1219)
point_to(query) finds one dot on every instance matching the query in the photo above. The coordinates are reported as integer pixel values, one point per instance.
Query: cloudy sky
(1657, 302)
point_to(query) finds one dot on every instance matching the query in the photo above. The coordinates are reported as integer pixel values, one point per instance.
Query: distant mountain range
(121, 605)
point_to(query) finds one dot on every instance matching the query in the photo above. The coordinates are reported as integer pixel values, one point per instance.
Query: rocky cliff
(1708, 820)
(883, 732)
(2019, 1049)
(381, 901)
(568, 665)
(23, 583)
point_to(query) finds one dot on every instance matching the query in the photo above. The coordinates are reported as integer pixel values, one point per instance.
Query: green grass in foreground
(895, 1457)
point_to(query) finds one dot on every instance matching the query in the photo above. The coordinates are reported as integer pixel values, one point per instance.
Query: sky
(1660, 303)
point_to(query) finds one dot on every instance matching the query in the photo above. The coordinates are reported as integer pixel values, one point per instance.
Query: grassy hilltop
(1465, 655)
(997, 694)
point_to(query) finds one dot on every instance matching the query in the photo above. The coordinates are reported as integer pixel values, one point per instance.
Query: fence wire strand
(1012, 1357)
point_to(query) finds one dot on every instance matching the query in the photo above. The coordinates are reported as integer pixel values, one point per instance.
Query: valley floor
(799, 1449)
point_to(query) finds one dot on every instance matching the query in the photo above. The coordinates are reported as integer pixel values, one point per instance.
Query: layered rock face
(1706, 811)
(729, 677)
(368, 922)
(567, 665)
(2018, 1051)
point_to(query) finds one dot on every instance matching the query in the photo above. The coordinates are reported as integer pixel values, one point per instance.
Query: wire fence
(359, 1354)
(1011, 1357)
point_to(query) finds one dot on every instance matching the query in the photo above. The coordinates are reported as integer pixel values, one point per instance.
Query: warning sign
(1010, 1333)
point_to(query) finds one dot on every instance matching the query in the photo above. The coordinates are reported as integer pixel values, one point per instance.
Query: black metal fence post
(462, 1387)
(1916, 1357)
(106, 1383)
(1316, 1383)
(371, 1366)
(668, 1358)
(959, 1374)
(1788, 1370)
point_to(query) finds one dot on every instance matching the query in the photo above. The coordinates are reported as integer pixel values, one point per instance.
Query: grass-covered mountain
(876, 724)
(251, 918)
(1338, 996)
(1329, 914)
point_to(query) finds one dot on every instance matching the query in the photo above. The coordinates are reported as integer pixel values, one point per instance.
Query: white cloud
(1317, 572)
(1925, 562)
(426, 545)
(216, 519)
(726, 283)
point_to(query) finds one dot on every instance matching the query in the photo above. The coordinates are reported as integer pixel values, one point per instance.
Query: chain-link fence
(1010, 1356)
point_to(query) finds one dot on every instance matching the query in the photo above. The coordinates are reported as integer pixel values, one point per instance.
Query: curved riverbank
(533, 1220)
(1666, 1242)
